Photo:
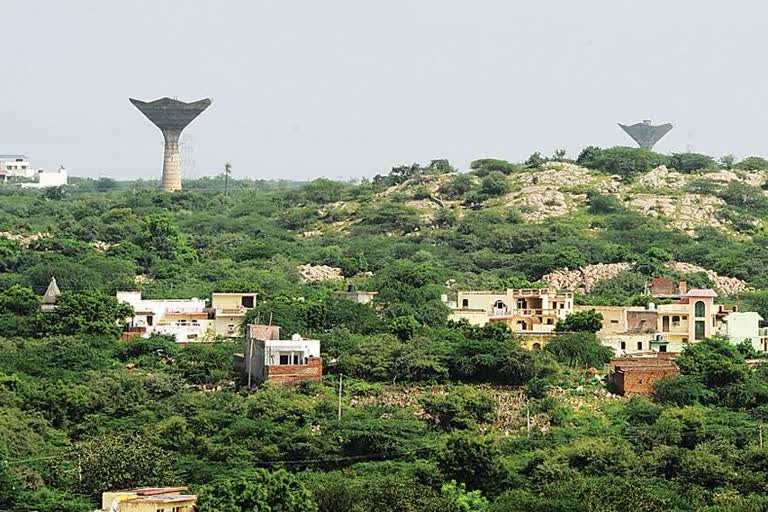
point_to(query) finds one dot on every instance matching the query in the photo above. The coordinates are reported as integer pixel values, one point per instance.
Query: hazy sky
(333, 88)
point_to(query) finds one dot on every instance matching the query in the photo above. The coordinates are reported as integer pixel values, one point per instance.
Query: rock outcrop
(315, 273)
(583, 279)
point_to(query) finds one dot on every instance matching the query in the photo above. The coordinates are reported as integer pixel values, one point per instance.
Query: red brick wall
(290, 373)
(639, 380)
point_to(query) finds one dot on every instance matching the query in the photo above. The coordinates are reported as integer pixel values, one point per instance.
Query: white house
(739, 327)
(47, 179)
(15, 166)
(187, 320)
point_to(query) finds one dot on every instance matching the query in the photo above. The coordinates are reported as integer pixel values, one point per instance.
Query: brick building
(267, 358)
(637, 375)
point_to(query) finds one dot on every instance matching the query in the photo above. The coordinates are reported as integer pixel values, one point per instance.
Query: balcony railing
(231, 311)
(525, 312)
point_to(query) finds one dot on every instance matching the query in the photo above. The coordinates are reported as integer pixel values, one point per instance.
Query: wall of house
(614, 318)
(639, 380)
(289, 374)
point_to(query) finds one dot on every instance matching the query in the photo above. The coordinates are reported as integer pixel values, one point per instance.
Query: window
(665, 324)
(675, 321)
(699, 329)
(662, 348)
(296, 359)
(465, 303)
(247, 301)
(699, 309)
(685, 340)
(537, 346)
(623, 345)
(521, 304)
(639, 345)
(499, 305)
(285, 359)
(550, 321)
(521, 325)
(150, 320)
(614, 321)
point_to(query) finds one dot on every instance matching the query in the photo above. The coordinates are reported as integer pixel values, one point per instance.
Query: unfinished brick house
(637, 375)
(267, 358)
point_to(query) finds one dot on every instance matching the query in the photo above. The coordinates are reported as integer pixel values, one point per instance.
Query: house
(48, 179)
(184, 319)
(666, 288)
(267, 358)
(636, 375)
(15, 166)
(48, 303)
(148, 499)
(745, 326)
(353, 294)
(525, 310)
(187, 320)
(692, 318)
(229, 310)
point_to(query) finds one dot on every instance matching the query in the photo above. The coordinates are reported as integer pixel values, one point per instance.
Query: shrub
(691, 162)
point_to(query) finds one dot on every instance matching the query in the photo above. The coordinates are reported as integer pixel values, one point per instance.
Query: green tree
(691, 162)
(581, 321)
(121, 462)
(753, 163)
(579, 349)
(256, 490)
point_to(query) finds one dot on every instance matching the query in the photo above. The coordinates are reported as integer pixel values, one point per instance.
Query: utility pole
(341, 377)
(760, 434)
(227, 172)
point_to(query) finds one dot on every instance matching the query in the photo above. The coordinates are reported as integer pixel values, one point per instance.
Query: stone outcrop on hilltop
(584, 279)
(315, 273)
(722, 284)
(686, 212)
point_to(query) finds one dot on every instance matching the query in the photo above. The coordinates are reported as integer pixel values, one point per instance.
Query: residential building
(637, 375)
(47, 179)
(267, 358)
(693, 318)
(184, 319)
(148, 499)
(745, 326)
(15, 166)
(48, 303)
(229, 310)
(187, 320)
(666, 288)
(525, 310)
(359, 296)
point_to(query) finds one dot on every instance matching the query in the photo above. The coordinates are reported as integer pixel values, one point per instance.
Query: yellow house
(529, 310)
(148, 499)
(692, 319)
(229, 311)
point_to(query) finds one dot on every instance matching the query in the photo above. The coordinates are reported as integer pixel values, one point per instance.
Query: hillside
(435, 415)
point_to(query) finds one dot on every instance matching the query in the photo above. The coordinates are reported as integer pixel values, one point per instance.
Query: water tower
(645, 134)
(171, 116)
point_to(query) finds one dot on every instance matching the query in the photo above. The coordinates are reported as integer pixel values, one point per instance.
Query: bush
(691, 162)
(495, 184)
(753, 163)
(623, 161)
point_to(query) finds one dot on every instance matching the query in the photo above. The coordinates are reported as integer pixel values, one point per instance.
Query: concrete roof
(12, 157)
(701, 292)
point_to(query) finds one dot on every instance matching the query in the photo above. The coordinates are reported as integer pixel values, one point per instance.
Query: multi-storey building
(187, 320)
(15, 166)
(527, 310)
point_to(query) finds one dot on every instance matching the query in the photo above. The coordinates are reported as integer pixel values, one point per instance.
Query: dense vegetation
(435, 415)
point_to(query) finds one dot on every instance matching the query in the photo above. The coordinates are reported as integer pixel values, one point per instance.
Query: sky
(351, 88)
